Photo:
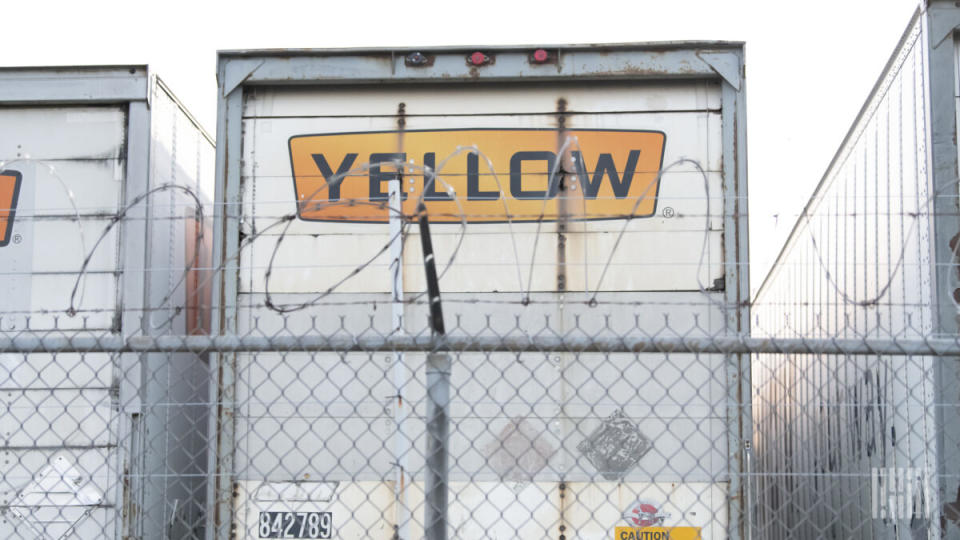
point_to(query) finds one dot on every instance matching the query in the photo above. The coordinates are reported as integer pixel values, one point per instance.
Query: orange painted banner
(9, 193)
(601, 174)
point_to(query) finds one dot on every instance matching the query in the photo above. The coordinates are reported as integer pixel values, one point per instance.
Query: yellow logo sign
(9, 193)
(657, 533)
(606, 174)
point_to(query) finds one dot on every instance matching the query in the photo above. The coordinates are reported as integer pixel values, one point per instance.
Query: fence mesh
(576, 435)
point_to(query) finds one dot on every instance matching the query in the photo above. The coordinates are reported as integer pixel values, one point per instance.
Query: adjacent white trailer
(100, 172)
(867, 446)
(582, 190)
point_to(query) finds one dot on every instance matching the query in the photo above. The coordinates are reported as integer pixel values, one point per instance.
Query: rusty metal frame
(736, 292)
(681, 60)
(226, 226)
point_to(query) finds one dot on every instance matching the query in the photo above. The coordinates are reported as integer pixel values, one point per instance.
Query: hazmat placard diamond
(57, 498)
(615, 446)
(520, 451)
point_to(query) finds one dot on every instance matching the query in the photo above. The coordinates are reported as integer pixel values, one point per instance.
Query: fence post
(438, 427)
(438, 398)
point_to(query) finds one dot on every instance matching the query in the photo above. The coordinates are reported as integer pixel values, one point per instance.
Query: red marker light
(540, 55)
(478, 58)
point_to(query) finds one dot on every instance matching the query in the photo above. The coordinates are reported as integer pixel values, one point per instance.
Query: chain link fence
(603, 430)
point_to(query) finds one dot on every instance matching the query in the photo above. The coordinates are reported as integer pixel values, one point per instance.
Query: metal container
(102, 171)
(866, 446)
(578, 190)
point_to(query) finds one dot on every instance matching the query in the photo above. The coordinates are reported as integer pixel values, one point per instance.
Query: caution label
(657, 533)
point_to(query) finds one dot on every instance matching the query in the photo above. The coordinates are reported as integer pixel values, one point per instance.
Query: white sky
(810, 64)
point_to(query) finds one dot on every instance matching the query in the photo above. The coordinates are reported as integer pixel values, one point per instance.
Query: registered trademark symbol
(668, 212)
(17, 239)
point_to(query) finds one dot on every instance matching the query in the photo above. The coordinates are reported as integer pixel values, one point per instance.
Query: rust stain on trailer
(128, 509)
(656, 65)
(401, 119)
(563, 211)
(401, 126)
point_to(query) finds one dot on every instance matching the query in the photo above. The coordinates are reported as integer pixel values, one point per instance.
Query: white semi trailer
(101, 173)
(867, 446)
(580, 190)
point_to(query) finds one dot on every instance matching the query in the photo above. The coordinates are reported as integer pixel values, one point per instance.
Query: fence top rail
(110, 343)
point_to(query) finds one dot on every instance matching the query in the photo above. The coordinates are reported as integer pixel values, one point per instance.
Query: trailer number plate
(295, 524)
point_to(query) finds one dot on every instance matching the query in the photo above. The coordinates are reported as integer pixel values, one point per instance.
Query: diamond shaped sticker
(55, 500)
(520, 451)
(616, 446)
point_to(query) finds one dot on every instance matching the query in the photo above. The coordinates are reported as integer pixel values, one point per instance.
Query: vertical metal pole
(135, 237)
(438, 398)
(736, 290)
(942, 21)
(438, 402)
(749, 513)
(401, 376)
(226, 223)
